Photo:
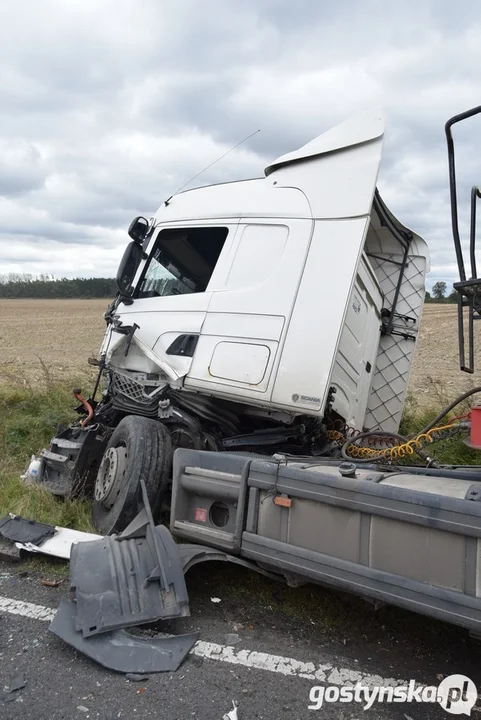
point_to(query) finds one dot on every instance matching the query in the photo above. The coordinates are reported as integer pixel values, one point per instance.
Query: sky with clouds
(109, 107)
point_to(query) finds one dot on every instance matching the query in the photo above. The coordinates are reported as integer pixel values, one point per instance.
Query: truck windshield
(182, 261)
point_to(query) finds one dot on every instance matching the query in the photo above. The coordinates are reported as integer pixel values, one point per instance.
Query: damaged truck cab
(263, 330)
(252, 316)
(273, 293)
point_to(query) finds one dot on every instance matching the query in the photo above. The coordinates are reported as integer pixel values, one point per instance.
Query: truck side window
(182, 261)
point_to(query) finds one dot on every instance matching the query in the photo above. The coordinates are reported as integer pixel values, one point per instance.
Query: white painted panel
(358, 346)
(247, 198)
(60, 544)
(338, 185)
(359, 129)
(258, 254)
(275, 294)
(241, 362)
(160, 321)
(307, 358)
(239, 325)
(201, 377)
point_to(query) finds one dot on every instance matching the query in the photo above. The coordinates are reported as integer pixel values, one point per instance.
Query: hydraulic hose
(450, 407)
(380, 433)
(87, 406)
(424, 431)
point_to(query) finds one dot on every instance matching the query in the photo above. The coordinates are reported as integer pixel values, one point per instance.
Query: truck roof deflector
(356, 131)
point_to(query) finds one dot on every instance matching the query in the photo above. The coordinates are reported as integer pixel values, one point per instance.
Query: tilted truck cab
(273, 293)
(258, 316)
(256, 362)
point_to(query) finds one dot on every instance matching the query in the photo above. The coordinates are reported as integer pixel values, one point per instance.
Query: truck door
(172, 295)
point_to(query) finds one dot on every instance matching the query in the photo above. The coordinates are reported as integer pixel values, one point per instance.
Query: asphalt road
(60, 683)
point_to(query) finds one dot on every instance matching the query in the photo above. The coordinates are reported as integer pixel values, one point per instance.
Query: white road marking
(18, 607)
(321, 673)
(324, 673)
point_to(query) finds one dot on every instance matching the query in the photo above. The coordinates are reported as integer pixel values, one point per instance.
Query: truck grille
(133, 390)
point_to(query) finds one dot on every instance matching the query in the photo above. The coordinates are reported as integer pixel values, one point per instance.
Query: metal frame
(469, 291)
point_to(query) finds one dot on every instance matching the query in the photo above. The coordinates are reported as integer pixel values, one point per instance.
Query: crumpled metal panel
(125, 581)
(120, 651)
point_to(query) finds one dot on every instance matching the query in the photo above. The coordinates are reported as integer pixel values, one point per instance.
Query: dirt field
(64, 333)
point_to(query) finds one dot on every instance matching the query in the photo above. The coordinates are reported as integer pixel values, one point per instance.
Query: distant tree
(453, 296)
(439, 291)
(427, 297)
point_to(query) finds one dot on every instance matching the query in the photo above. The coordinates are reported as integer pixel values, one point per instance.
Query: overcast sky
(109, 107)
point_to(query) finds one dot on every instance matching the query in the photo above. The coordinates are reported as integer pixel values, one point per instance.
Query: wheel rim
(111, 475)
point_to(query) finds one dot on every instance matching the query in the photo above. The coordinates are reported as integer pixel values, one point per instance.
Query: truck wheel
(138, 448)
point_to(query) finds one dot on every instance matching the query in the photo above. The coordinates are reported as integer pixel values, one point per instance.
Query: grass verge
(28, 420)
(452, 451)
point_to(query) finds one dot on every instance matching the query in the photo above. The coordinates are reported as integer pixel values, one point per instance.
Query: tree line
(439, 294)
(18, 285)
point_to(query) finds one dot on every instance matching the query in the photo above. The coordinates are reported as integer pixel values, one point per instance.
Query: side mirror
(128, 267)
(138, 229)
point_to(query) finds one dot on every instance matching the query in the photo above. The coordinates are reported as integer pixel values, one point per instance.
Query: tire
(138, 448)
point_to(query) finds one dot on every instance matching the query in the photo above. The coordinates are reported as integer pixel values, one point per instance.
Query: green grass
(452, 451)
(28, 421)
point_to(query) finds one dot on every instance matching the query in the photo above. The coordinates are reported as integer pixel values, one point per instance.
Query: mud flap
(121, 581)
(128, 579)
(119, 650)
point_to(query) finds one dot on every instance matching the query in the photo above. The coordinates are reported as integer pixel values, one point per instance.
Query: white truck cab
(282, 294)
(261, 317)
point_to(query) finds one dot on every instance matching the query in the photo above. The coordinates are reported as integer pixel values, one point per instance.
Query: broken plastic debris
(215, 600)
(135, 677)
(18, 529)
(17, 682)
(60, 544)
(232, 639)
(121, 651)
(232, 714)
(109, 599)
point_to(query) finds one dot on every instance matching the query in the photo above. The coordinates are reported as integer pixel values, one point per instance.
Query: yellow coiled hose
(391, 453)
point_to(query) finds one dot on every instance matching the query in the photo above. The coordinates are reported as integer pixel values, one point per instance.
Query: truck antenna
(209, 166)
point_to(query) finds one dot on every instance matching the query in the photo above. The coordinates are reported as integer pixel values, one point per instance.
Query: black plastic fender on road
(147, 450)
(121, 651)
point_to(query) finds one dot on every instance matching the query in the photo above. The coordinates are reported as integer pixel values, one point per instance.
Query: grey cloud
(122, 106)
